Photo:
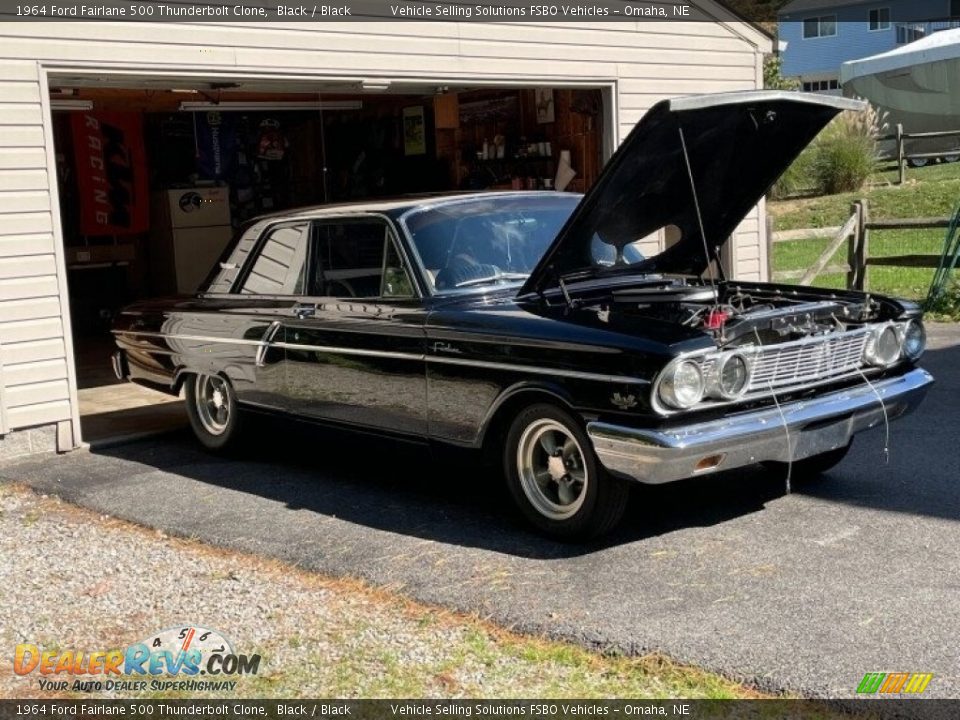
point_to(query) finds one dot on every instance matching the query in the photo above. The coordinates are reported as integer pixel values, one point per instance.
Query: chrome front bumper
(815, 426)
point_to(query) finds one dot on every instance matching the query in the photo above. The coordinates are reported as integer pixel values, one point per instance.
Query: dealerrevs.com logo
(184, 653)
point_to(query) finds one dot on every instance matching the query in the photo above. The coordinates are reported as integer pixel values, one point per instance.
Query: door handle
(303, 310)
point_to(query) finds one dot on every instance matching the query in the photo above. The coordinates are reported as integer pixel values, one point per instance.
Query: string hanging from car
(696, 206)
(886, 419)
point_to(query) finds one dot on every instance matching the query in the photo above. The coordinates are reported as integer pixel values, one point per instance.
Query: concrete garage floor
(112, 411)
(855, 573)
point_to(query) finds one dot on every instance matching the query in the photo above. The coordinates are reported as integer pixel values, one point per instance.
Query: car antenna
(696, 207)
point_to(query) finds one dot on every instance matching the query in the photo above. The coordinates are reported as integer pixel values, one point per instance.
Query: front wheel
(555, 477)
(213, 411)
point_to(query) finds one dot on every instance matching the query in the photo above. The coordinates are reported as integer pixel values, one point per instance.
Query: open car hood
(737, 145)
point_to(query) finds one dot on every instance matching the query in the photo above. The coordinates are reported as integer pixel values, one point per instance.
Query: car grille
(809, 360)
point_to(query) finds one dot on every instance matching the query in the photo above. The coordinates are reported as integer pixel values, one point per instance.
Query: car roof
(400, 205)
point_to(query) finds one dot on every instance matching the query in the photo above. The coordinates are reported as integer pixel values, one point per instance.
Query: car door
(354, 345)
(233, 328)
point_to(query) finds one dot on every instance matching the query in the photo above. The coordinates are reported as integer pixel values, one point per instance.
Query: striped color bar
(894, 683)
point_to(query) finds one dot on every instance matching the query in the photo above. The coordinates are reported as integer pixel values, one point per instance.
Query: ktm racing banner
(111, 173)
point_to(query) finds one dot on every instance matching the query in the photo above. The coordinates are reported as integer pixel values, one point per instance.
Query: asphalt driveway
(858, 572)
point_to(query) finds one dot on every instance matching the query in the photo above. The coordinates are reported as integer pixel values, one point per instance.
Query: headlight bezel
(905, 337)
(722, 362)
(665, 391)
(871, 350)
(710, 367)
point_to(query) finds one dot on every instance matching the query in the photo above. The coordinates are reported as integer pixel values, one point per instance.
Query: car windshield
(487, 240)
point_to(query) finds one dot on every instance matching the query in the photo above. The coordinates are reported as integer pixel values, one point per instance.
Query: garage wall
(33, 366)
(648, 61)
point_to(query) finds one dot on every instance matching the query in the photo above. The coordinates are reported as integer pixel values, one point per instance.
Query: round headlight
(682, 385)
(883, 347)
(914, 339)
(733, 376)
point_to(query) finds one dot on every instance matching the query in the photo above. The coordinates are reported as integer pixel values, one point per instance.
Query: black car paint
(432, 369)
(441, 366)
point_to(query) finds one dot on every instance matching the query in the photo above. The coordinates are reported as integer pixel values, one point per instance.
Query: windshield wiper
(492, 278)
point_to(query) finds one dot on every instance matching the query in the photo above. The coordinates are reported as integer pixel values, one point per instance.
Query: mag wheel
(555, 478)
(213, 411)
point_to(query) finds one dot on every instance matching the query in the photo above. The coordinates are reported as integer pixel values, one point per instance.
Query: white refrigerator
(191, 228)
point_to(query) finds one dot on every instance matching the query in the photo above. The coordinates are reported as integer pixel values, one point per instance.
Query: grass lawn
(929, 192)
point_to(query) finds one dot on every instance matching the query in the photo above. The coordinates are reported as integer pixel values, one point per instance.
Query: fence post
(853, 245)
(863, 251)
(771, 228)
(901, 156)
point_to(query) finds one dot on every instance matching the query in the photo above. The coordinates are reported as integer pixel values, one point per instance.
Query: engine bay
(739, 314)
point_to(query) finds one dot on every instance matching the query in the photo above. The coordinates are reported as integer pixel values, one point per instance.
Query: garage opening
(155, 176)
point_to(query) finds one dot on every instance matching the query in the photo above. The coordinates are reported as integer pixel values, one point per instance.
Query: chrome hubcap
(213, 403)
(552, 470)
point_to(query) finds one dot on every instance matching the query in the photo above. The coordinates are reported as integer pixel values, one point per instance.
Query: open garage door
(155, 176)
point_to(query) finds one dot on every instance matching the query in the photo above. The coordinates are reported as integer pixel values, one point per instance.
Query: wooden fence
(855, 232)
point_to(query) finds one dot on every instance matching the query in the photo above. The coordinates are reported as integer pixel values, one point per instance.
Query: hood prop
(712, 269)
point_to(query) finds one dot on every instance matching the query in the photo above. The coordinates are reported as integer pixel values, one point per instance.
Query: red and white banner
(111, 167)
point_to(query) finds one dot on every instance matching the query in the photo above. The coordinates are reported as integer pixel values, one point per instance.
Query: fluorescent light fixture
(71, 104)
(374, 85)
(267, 106)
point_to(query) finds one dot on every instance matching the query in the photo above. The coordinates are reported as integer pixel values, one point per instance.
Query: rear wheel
(918, 162)
(555, 477)
(813, 467)
(213, 411)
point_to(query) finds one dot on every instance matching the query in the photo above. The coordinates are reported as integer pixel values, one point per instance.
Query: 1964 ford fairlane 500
(541, 328)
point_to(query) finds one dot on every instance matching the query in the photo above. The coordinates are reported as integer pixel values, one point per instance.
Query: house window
(880, 19)
(910, 33)
(821, 85)
(824, 26)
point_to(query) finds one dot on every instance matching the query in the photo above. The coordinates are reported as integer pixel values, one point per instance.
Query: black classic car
(584, 342)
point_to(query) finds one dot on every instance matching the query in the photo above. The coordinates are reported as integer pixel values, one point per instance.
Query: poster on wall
(414, 131)
(216, 138)
(111, 168)
(545, 108)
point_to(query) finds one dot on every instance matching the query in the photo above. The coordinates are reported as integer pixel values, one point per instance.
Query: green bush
(840, 160)
(798, 179)
(846, 156)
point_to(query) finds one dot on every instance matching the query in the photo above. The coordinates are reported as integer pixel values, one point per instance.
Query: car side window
(357, 259)
(280, 266)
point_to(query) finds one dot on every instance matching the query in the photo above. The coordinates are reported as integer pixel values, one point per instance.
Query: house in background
(818, 36)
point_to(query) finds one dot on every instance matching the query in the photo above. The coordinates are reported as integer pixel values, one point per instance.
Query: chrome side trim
(575, 374)
(194, 338)
(816, 425)
(417, 357)
(265, 342)
(358, 352)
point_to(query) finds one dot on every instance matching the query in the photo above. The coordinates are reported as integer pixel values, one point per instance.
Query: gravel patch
(74, 579)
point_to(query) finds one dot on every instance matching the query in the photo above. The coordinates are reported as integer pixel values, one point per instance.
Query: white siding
(644, 61)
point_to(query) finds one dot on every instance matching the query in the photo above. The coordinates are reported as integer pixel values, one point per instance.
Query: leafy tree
(773, 78)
